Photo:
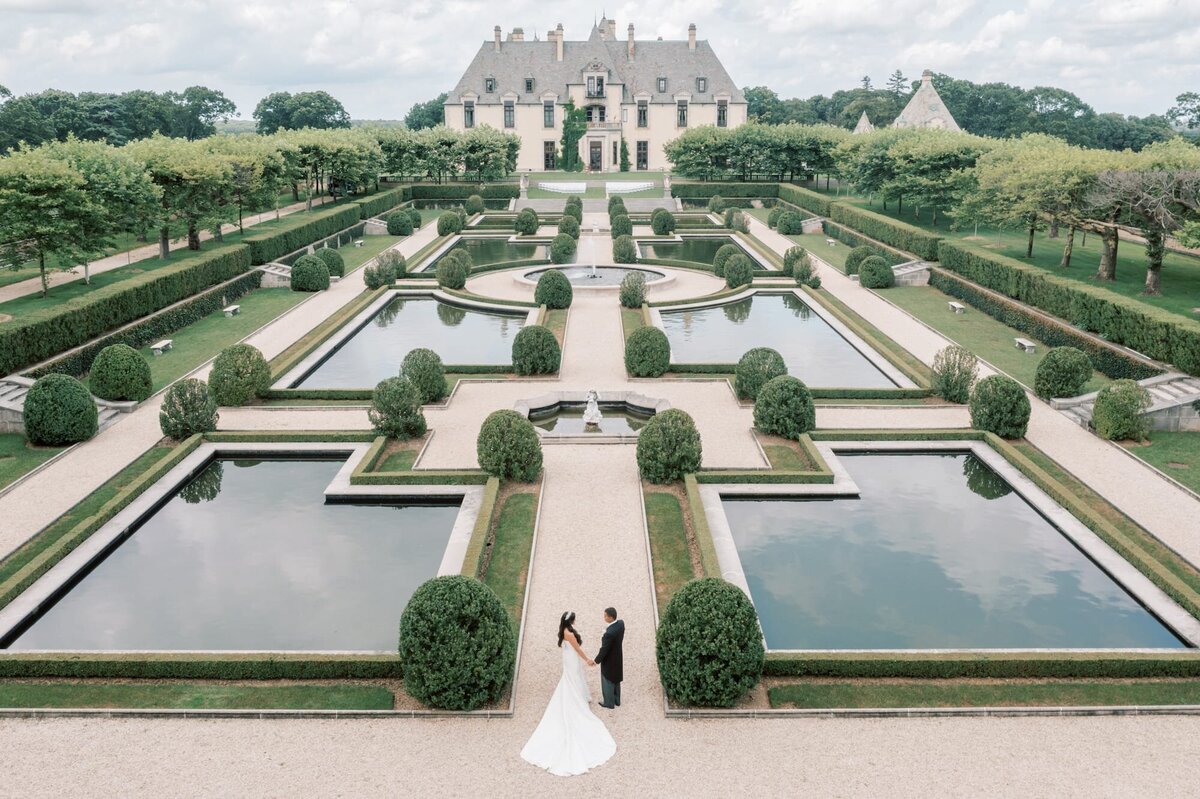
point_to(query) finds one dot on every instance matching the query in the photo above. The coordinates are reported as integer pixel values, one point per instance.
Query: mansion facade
(645, 92)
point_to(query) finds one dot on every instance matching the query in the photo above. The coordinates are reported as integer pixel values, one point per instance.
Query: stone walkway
(117, 260)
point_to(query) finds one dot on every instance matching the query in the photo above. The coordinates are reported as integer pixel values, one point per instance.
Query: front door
(595, 156)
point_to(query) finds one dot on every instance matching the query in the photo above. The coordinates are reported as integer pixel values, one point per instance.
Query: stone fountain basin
(608, 277)
(626, 402)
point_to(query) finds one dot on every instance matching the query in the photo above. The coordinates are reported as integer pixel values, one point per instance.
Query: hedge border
(300, 231)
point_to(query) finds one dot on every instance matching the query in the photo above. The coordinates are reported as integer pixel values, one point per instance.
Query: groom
(610, 660)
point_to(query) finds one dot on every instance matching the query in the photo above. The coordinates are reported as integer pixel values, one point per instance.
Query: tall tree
(274, 113)
(763, 105)
(865, 83)
(428, 114)
(1186, 110)
(197, 110)
(192, 179)
(286, 111)
(898, 85)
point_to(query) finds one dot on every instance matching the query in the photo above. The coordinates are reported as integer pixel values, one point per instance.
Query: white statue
(591, 414)
(666, 182)
(524, 182)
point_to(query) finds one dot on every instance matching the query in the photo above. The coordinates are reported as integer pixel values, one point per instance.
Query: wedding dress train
(569, 739)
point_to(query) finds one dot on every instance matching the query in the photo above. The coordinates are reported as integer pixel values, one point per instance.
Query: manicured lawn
(1180, 273)
(185, 695)
(1176, 454)
(631, 320)
(556, 320)
(988, 338)
(669, 552)
(372, 246)
(786, 458)
(508, 568)
(954, 693)
(401, 460)
(18, 458)
(200, 341)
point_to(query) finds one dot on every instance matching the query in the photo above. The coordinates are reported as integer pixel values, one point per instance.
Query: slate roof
(864, 124)
(653, 59)
(925, 109)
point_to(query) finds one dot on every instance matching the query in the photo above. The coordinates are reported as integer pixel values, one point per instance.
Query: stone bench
(1025, 344)
(831, 242)
(159, 347)
(233, 310)
(957, 307)
(358, 242)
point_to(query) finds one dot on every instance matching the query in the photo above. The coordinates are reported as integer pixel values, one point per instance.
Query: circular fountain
(576, 416)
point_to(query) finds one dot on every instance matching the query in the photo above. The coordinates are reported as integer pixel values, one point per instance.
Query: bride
(569, 739)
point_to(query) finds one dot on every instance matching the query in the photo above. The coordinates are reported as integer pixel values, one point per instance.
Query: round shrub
(633, 290)
(668, 447)
(309, 273)
(754, 369)
(453, 268)
(59, 410)
(333, 259)
(647, 352)
(954, 371)
(621, 225)
(239, 374)
(399, 223)
(457, 644)
(856, 256)
(724, 253)
(803, 272)
(553, 290)
(449, 222)
(785, 408)
(773, 216)
(568, 226)
(874, 273)
(624, 250)
(188, 408)
(396, 409)
(708, 645)
(793, 256)
(415, 215)
(462, 218)
(790, 223)
(614, 203)
(424, 369)
(535, 351)
(662, 222)
(738, 271)
(736, 220)
(562, 248)
(716, 205)
(999, 405)
(388, 267)
(1117, 414)
(1062, 373)
(526, 222)
(574, 210)
(508, 447)
(120, 373)
(474, 204)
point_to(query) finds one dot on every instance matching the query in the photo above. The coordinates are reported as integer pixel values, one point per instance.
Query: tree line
(999, 110)
(62, 203)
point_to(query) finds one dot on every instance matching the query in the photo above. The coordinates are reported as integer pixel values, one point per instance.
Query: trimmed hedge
(790, 223)
(857, 255)
(535, 351)
(890, 231)
(201, 666)
(474, 205)
(562, 248)
(302, 231)
(812, 201)
(376, 204)
(738, 271)
(449, 191)
(44, 333)
(662, 222)
(669, 447)
(689, 190)
(722, 256)
(453, 269)
(553, 290)
(448, 223)
(874, 273)
(509, 447)
(647, 352)
(59, 410)
(457, 644)
(1000, 665)
(120, 374)
(569, 226)
(1106, 360)
(1151, 331)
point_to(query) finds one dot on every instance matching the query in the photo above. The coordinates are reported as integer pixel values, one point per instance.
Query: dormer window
(529, 85)
(468, 113)
(489, 85)
(595, 86)
(662, 85)
(701, 85)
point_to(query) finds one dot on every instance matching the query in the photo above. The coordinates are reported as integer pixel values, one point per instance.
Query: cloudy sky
(381, 56)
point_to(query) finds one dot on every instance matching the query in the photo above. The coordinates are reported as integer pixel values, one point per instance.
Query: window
(643, 155)
(489, 85)
(616, 150)
(722, 114)
(548, 113)
(529, 85)
(595, 86)
(681, 114)
(509, 114)
(549, 155)
(468, 114)
(596, 113)
(643, 114)
(662, 85)
(701, 85)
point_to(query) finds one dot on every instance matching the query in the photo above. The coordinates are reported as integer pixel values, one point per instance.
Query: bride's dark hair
(567, 622)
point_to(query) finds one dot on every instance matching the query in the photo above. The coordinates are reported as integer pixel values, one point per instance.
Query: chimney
(496, 33)
(612, 29)
(517, 35)
(926, 77)
(629, 47)
(558, 42)
(692, 36)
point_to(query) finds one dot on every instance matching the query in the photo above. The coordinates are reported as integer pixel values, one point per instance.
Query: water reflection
(983, 480)
(486, 251)
(451, 315)
(205, 486)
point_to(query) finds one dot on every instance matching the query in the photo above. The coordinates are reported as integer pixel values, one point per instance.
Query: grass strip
(508, 562)
(192, 696)
(669, 553)
(18, 458)
(955, 693)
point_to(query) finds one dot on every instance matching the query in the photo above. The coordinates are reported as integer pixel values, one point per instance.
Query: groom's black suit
(611, 662)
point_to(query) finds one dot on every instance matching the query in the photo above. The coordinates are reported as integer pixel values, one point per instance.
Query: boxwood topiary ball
(874, 273)
(553, 290)
(188, 408)
(669, 447)
(333, 260)
(621, 225)
(424, 369)
(474, 204)
(755, 368)
(785, 408)
(856, 256)
(508, 447)
(721, 259)
(535, 351)
(239, 374)
(120, 373)
(647, 352)
(633, 290)
(624, 250)
(999, 405)
(309, 273)
(400, 223)
(58, 411)
(452, 270)
(1062, 373)
(526, 222)
(448, 223)
(396, 409)
(562, 249)
(569, 226)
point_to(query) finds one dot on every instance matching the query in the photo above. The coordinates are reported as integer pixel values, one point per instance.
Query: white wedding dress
(569, 739)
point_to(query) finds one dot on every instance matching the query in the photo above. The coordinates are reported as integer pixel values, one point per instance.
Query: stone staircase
(1174, 403)
(12, 405)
